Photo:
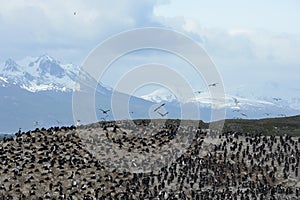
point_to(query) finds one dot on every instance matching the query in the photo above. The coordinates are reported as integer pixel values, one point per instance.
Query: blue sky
(254, 44)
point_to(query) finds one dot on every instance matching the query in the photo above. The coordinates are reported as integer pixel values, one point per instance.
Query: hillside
(146, 160)
(268, 126)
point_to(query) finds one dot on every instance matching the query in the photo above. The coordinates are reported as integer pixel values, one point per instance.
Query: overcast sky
(253, 43)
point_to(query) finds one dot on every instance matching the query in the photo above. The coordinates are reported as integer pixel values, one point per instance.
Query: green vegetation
(268, 126)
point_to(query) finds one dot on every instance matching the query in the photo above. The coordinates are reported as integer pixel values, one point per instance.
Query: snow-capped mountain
(37, 92)
(38, 74)
(160, 95)
(39, 89)
(204, 99)
(236, 106)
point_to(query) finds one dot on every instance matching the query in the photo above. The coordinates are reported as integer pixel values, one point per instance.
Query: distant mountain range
(236, 106)
(43, 73)
(37, 92)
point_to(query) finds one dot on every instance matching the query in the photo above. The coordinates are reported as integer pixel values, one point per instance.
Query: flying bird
(235, 101)
(267, 114)
(75, 13)
(159, 107)
(213, 85)
(162, 115)
(105, 117)
(244, 114)
(199, 92)
(104, 111)
(236, 110)
(277, 99)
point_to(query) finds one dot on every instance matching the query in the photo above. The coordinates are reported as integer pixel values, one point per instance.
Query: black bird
(244, 114)
(159, 107)
(104, 111)
(213, 84)
(163, 114)
(236, 102)
(277, 99)
(199, 92)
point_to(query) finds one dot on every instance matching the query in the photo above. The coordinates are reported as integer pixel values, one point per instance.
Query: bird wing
(159, 107)
(160, 113)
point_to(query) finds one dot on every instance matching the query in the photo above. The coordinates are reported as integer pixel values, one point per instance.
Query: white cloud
(35, 27)
(247, 56)
(271, 15)
(246, 44)
(243, 52)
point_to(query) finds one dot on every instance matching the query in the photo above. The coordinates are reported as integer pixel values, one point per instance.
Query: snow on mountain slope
(236, 106)
(160, 95)
(39, 74)
(41, 90)
(46, 75)
(204, 99)
(3, 79)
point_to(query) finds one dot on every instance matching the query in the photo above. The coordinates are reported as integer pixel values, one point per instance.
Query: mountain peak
(11, 65)
(46, 57)
(39, 73)
(48, 65)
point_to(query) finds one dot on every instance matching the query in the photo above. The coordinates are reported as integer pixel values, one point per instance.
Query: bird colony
(148, 160)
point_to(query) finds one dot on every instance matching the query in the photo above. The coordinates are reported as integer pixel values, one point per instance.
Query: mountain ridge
(28, 85)
(39, 74)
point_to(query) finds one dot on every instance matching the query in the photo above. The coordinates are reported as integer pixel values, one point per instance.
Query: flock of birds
(80, 162)
(237, 103)
(85, 163)
(105, 113)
